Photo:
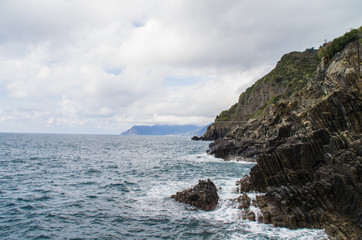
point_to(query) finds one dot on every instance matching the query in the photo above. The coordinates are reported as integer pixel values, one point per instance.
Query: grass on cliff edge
(328, 50)
(290, 74)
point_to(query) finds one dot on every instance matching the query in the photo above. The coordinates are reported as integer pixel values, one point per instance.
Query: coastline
(307, 149)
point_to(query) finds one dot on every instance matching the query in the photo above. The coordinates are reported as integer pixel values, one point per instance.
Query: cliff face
(307, 145)
(290, 75)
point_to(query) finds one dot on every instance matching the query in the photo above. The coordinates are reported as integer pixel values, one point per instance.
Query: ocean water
(118, 187)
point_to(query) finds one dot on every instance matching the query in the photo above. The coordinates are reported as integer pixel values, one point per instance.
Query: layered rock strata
(308, 149)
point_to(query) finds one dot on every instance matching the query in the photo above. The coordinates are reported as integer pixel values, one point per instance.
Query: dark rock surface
(196, 138)
(244, 184)
(314, 179)
(244, 201)
(203, 195)
(219, 130)
(309, 152)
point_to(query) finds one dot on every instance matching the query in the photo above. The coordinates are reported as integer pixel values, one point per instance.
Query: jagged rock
(251, 216)
(221, 148)
(308, 148)
(244, 201)
(244, 184)
(203, 195)
(266, 91)
(264, 208)
(217, 131)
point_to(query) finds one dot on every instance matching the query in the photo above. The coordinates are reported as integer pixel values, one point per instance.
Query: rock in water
(196, 138)
(203, 195)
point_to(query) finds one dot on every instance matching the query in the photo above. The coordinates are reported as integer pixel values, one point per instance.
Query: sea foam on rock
(203, 195)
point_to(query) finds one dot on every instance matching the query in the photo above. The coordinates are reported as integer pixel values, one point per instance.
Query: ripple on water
(43, 198)
(92, 171)
(119, 186)
(112, 187)
(92, 196)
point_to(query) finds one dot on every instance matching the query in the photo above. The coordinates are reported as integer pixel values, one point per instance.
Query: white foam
(243, 160)
(268, 231)
(157, 199)
(252, 195)
(228, 213)
(225, 211)
(203, 157)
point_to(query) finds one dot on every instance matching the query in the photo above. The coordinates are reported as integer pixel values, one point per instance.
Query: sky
(100, 67)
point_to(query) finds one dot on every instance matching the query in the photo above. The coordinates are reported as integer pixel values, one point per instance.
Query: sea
(58, 186)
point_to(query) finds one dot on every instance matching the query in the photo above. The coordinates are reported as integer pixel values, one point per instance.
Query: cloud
(101, 67)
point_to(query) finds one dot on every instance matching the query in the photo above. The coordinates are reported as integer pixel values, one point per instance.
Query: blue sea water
(118, 187)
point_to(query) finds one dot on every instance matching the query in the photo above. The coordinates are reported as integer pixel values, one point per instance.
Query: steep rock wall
(291, 74)
(308, 149)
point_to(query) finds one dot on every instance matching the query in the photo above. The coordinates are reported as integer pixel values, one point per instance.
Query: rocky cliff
(290, 75)
(303, 124)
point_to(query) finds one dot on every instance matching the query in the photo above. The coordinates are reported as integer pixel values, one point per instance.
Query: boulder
(203, 195)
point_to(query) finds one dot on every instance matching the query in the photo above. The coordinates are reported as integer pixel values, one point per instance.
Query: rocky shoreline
(307, 146)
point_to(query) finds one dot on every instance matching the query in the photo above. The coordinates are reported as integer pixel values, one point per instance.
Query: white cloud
(103, 66)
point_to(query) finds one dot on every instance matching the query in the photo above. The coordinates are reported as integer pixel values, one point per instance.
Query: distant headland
(180, 130)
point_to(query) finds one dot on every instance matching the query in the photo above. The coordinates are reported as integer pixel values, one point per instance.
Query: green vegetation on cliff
(289, 76)
(227, 114)
(328, 50)
(307, 142)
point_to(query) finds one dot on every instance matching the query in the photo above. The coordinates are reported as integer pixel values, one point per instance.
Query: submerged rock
(203, 195)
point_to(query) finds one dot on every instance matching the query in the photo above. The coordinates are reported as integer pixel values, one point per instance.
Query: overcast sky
(84, 66)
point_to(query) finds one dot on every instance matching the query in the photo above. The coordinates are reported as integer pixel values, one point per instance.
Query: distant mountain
(183, 130)
(201, 131)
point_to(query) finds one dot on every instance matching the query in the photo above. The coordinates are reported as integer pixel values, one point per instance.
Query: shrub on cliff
(289, 76)
(227, 114)
(330, 49)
